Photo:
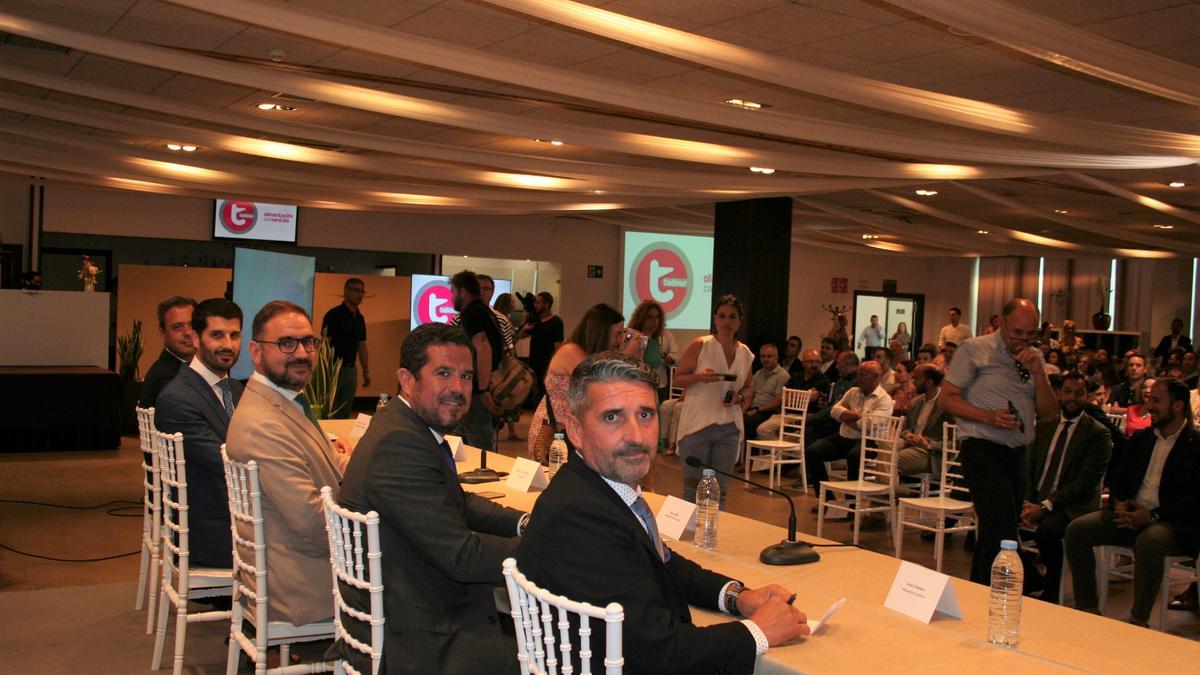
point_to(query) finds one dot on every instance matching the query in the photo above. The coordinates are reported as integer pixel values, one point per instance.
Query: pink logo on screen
(661, 273)
(238, 216)
(434, 302)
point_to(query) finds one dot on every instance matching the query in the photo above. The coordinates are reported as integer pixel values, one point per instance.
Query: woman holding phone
(715, 370)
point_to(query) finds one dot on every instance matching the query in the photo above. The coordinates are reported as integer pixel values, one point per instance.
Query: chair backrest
(793, 414)
(151, 480)
(952, 475)
(878, 448)
(172, 467)
(535, 623)
(357, 565)
(674, 392)
(249, 544)
(145, 420)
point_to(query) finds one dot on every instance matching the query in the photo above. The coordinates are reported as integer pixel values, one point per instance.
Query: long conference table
(865, 636)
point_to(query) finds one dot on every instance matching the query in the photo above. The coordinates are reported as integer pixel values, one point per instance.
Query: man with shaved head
(868, 398)
(998, 390)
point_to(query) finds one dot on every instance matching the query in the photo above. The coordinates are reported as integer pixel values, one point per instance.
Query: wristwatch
(731, 596)
(1154, 517)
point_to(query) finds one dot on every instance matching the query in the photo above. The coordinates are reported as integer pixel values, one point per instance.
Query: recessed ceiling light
(762, 170)
(189, 148)
(276, 106)
(174, 147)
(870, 236)
(1061, 211)
(599, 192)
(266, 106)
(927, 193)
(1177, 184)
(547, 140)
(981, 232)
(748, 105)
(1165, 227)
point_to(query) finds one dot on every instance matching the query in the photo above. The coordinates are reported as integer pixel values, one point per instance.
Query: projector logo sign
(434, 302)
(661, 273)
(237, 216)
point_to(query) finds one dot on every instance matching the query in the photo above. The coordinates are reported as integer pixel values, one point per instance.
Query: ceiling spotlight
(926, 193)
(981, 232)
(599, 192)
(870, 236)
(748, 105)
(266, 106)
(1177, 184)
(174, 147)
(1165, 227)
(547, 140)
(189, 148)
(1061, 211)
(762, 170)
(276, 106)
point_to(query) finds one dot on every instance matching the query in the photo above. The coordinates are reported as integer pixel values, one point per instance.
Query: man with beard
(593, 538)
(1066, 466)
(179, 346)
(442, 547)
(1154, 506)
(275, 426)
(198, 403)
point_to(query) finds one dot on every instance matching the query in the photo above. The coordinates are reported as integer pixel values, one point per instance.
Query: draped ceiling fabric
(440, 103)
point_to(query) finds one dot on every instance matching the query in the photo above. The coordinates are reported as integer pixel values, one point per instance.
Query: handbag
(512, 381)
(545, 434)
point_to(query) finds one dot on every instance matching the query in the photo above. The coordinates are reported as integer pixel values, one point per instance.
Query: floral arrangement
(87, 274)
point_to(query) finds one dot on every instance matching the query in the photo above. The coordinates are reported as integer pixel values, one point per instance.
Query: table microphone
(786, 552)
(483, 474)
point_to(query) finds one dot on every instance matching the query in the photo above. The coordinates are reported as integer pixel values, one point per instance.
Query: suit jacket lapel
(217, 406)
(594, 478)
(292, 412)
(439, 455)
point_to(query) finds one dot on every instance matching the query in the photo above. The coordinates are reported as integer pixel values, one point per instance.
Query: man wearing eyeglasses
(275, 426)
(997, 389)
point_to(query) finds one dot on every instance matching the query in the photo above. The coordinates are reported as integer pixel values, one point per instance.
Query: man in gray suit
(442, 547)
(275, 427)
(198, 403)
(922, 435)
(1067, 461)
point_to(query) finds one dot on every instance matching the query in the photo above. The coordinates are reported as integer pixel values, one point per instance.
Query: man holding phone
(997, 389)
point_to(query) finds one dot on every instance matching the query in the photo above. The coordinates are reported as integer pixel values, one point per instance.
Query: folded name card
(360, 426)
(919, 592)
(456, 447)
(814, 625)
(676, 518)
(527, 475)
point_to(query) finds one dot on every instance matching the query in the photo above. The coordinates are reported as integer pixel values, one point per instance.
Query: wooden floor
(109, 482)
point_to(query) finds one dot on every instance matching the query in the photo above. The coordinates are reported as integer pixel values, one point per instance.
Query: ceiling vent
(22, 42)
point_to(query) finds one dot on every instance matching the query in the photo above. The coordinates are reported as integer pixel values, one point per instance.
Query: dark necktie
(449, 455)
(307, 409)
(226, 395)
(1056, 458)
(642, 510)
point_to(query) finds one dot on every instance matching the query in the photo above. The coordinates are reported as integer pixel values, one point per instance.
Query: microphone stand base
(789, 553)
(481, 476)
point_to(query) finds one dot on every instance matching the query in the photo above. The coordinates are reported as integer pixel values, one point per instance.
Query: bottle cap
(709, 472)
(1008, 545)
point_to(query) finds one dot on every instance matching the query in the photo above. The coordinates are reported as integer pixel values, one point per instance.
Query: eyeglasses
(1022, 371)
(288, 345)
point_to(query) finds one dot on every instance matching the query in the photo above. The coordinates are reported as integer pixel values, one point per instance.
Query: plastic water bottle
(1004, 610)
(708, 508)
(558, 453)
(383, 401)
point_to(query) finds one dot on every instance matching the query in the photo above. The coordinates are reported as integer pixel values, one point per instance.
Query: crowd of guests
(1043, 461)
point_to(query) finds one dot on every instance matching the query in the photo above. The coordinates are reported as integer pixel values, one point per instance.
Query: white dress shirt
(877, 402)
(1147, 494)
(1050, 453)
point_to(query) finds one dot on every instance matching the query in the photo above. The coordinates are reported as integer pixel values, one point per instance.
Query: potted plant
(1102, 320)
(322, 387)
(129, 355)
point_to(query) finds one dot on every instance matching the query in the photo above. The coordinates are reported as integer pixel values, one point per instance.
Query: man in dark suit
(1067, 462)
(199, 403)
(1154, 503)
(924, 425)
(179, 345)
(442, 547)
(1175, 340)
(593, 539)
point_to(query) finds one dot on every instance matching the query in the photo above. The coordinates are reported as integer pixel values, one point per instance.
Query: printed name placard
(456, 447)
(360, 426)
(676, 518)
(814, 625)
(919, 592)
(527, 475)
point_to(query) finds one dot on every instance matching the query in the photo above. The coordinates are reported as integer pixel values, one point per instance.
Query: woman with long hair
(660, 354)
(601, 329)
(715, 369)
(904, 338)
